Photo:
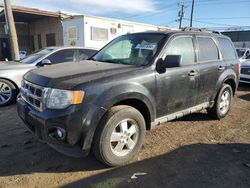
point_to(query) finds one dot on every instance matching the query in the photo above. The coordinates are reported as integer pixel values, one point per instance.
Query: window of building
(227, 49)
(99, 34)
(51, 39)
(184, 47)
(39, 41)
(208, 50)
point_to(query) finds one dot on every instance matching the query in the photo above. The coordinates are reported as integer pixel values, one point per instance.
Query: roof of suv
(198, 31)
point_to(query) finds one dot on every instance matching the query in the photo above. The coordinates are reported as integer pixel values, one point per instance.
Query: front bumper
(244, 78)
(78, 121)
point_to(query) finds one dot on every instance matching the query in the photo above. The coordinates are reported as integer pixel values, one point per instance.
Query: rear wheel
(119, 136)
(8, 92)
(222, 102)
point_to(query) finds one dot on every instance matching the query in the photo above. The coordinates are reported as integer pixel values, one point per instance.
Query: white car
(243, 54)
(245, 72)
(11, 72)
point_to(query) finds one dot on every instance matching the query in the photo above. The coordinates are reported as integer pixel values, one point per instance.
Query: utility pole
(192, 12)
(11, 30)
(181, 13)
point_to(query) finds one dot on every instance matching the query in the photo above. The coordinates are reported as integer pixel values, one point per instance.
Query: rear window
(208, 50)
(227, 49)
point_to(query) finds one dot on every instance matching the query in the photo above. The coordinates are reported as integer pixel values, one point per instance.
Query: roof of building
(22, 14)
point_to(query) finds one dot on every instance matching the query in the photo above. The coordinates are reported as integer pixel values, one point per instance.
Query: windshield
(35, 56)
(131, 49)
(240, 52)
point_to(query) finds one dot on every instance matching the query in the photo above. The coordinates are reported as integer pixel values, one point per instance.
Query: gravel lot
(194, 151)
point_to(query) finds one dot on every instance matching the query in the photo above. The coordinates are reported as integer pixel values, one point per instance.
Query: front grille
(245, 70)
(245, 79)
(33, 95)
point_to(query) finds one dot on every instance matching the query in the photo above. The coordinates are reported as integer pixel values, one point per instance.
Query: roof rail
(200, 30)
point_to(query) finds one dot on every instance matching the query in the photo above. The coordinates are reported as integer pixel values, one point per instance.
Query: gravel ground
(194, 151)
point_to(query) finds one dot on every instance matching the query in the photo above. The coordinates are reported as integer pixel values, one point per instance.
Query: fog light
(57, 133)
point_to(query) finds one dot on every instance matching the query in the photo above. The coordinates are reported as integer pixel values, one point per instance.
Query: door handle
(221, 68)
(192, 73)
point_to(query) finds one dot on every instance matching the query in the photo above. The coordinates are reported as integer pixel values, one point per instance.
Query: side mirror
(45, 62)
(170, 61)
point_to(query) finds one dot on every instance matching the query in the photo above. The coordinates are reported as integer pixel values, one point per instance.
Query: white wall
(86, 23)
(77, 23)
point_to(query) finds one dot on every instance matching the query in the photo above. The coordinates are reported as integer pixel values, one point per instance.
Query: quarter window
(227, 49)
(184, 47)
(207, 49)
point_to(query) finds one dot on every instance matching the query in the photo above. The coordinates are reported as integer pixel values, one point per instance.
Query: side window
(62, 56)
(227, 49)
(85, 54)
(208, 50)
(182, 46)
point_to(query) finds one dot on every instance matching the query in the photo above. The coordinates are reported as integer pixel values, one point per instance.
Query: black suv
(134, 83)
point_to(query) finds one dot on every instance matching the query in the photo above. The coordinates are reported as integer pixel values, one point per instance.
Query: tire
(127, 127)
(8, 92)
(222, 103)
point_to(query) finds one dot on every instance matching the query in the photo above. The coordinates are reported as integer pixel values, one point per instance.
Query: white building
(92, 31)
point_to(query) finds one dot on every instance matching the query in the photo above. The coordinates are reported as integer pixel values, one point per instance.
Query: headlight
(60, 99)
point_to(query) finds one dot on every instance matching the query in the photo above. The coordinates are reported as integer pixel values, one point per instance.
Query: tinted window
(240, 52)
(227, 49)
(85, 54)
(208, 50)
(62, 56)
(35, 56)
(182, 46)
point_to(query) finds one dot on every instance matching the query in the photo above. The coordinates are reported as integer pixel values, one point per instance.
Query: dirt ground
(194, 151)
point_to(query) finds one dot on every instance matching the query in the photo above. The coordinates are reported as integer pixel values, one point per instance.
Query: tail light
(238, 69)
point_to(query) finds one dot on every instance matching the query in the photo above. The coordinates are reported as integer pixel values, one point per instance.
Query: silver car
(245, 72)
(11, 72)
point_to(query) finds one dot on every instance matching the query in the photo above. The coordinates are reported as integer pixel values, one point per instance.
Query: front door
(177, 87)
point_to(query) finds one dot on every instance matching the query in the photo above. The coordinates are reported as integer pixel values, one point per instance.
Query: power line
(212, 23)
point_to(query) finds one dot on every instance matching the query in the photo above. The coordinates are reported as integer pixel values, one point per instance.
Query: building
(93, 31)
(241, 39)
(37, 29)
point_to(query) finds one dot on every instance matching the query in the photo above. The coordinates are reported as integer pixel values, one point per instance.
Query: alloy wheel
(5, 93)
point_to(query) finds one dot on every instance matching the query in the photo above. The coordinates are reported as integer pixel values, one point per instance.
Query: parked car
(243, 54)
(245, 72)
(134, 83)
(11, 73)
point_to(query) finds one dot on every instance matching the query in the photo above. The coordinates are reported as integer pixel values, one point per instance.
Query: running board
(180, 114)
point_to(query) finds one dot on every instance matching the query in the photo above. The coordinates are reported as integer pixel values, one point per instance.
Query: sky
(214, 14)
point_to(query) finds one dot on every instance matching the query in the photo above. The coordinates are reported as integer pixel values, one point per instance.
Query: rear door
(210, 67)
(177, 87)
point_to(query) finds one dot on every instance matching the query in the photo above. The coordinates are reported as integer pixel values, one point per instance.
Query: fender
(125, 91)
(226, 75)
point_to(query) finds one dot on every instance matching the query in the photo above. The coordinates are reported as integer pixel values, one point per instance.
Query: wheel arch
(17, 88)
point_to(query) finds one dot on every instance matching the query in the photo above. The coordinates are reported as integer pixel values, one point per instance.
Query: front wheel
(222, 102)
(8, 92)
(119, 136)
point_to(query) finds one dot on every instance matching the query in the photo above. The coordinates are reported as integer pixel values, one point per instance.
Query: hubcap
(224, 102)
(124, 137)
(5, 93)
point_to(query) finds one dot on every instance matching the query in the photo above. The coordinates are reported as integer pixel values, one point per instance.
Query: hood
(245, 64)
(10, 65)
(68, 75)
